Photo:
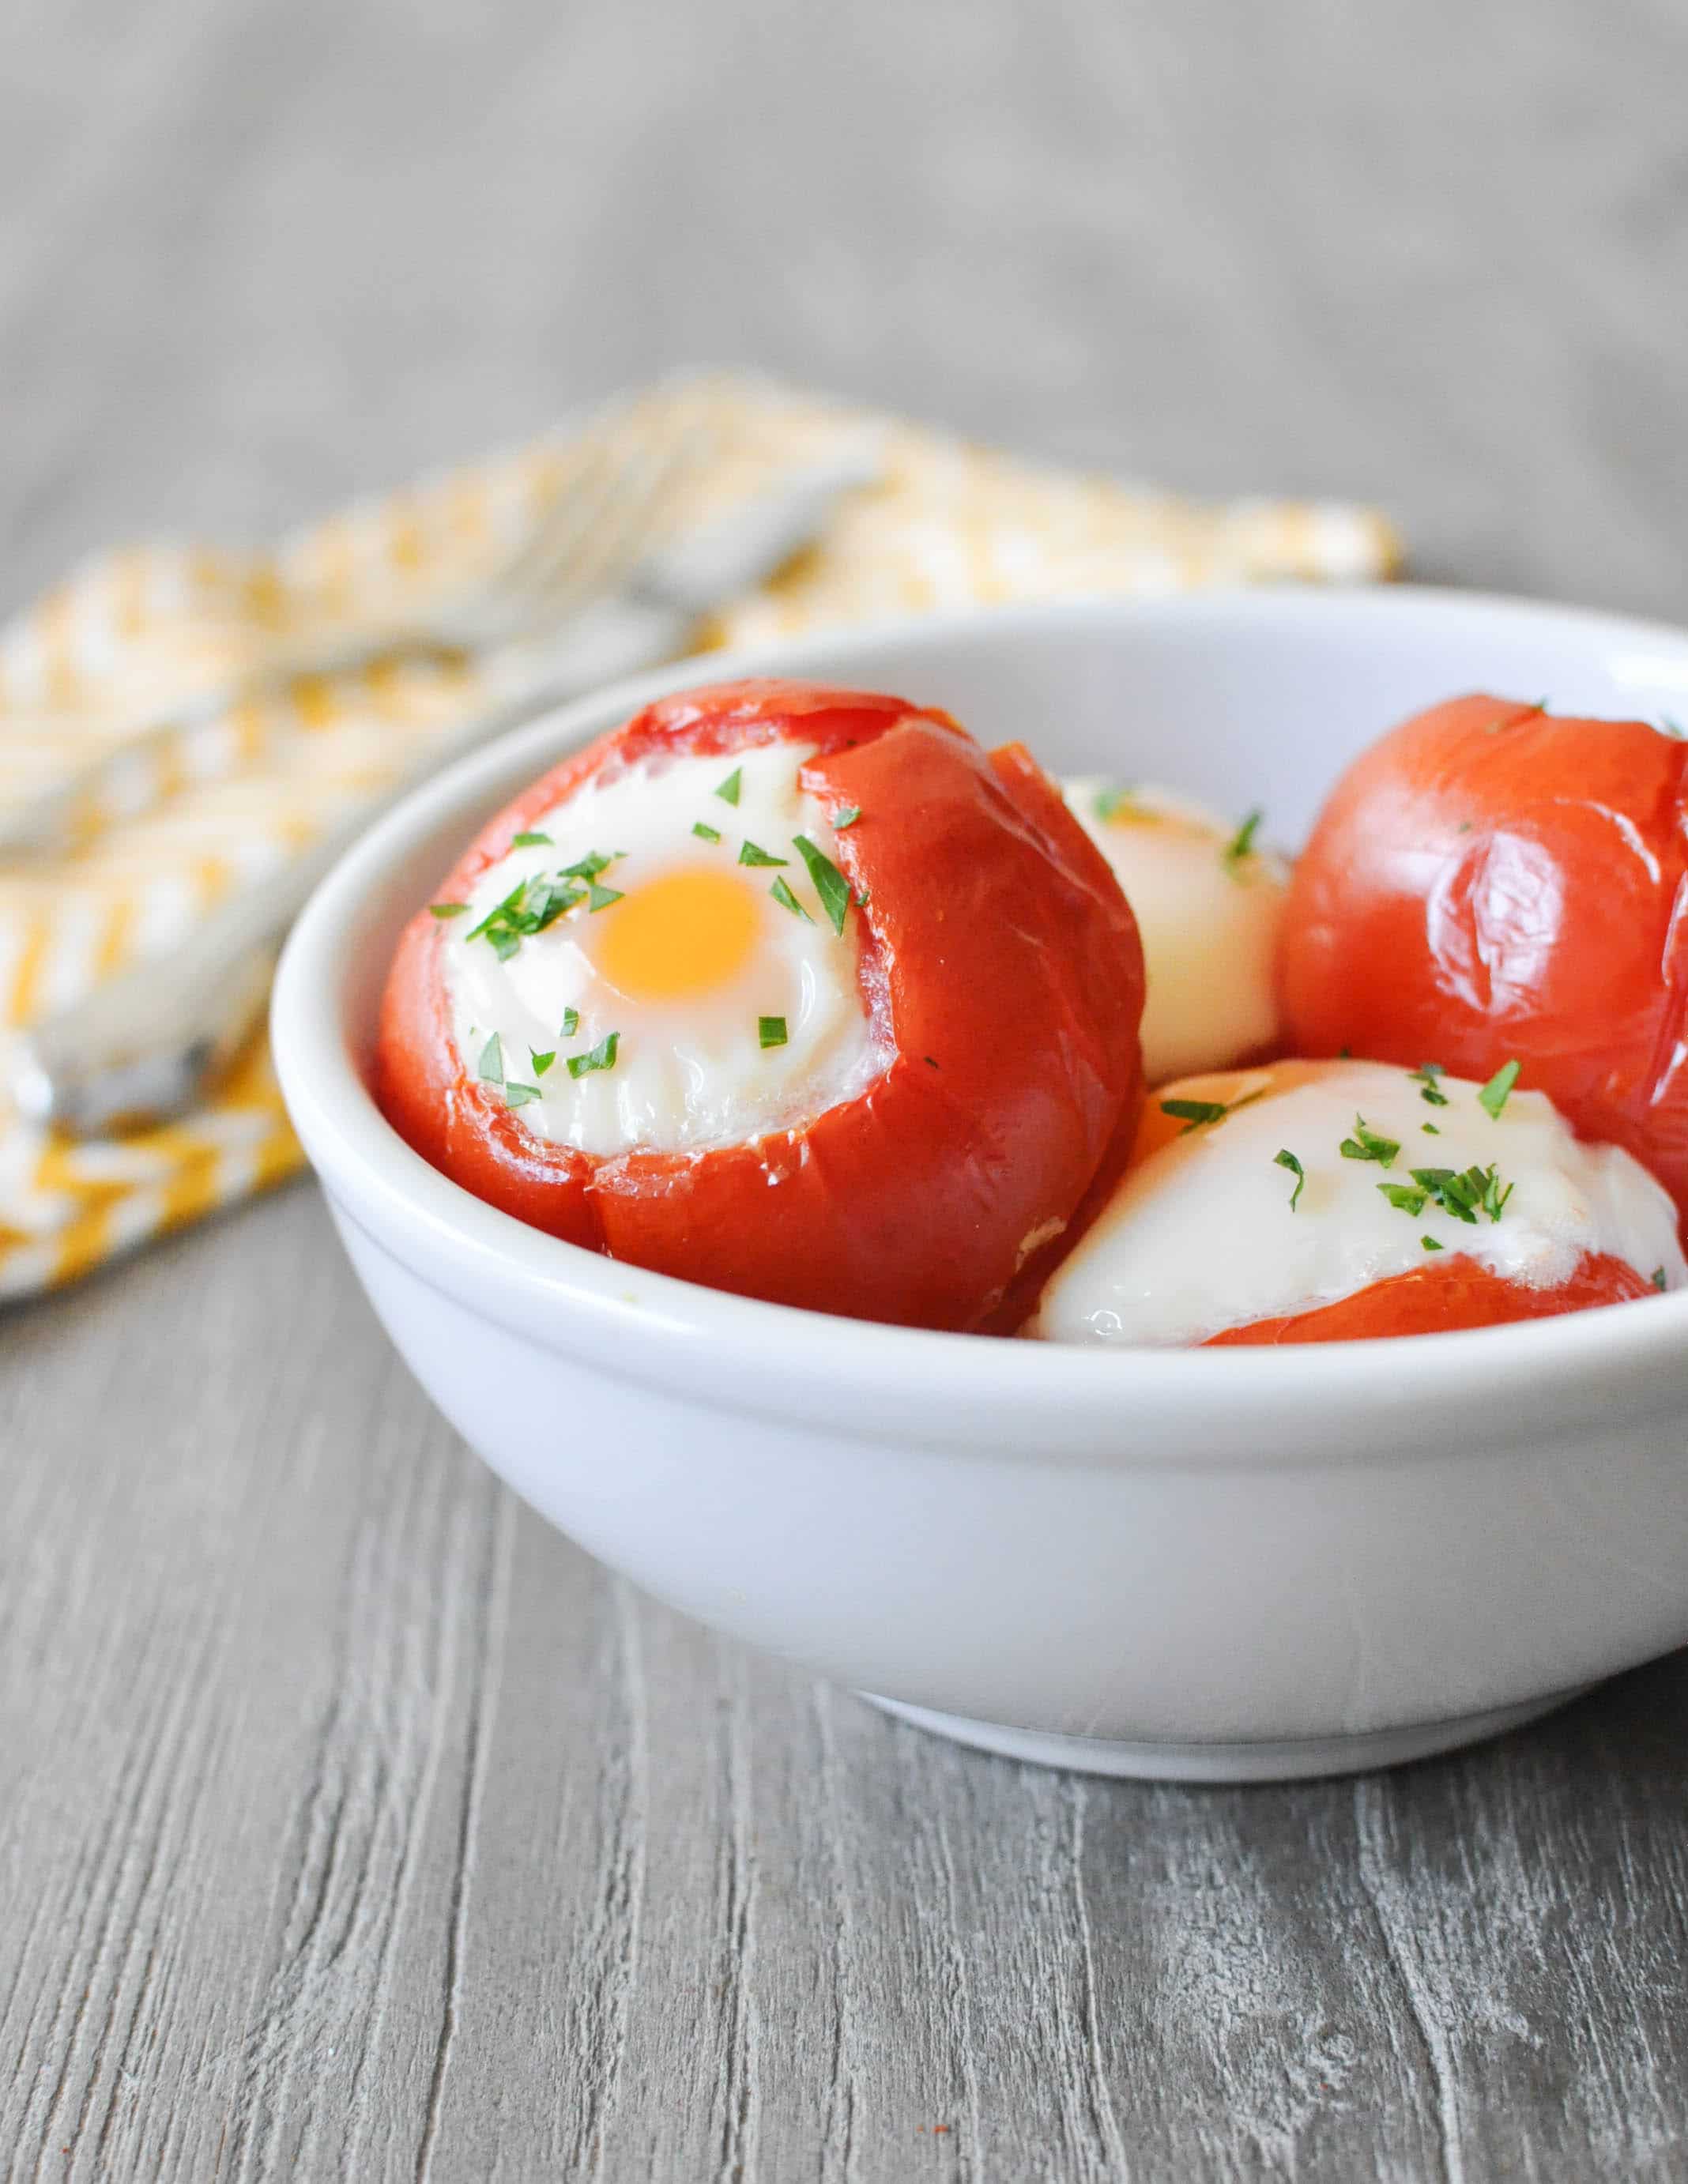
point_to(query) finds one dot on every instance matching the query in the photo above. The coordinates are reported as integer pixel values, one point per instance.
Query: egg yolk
(673, 938)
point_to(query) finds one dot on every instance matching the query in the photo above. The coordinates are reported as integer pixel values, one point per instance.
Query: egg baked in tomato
(795, 991)
(1312, 1201)
(1492, 880)
(1208, 898)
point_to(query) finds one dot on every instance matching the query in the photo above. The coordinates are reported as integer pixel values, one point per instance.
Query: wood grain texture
(351, 1824)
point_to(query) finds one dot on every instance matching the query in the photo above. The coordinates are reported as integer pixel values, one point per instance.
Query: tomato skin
(1490, 881)
(1455, 1293)
(997, 949)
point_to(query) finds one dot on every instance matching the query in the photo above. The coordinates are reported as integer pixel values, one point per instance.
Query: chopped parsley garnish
(518, 1095)
(750, 853)
(928, 1061)
(600, 898)
(1657, 1278)
(528, 840)
(1367, 1145)
(1495, 1093)
(1405, 1197)
(593, 862)
(786, 900)
(571, 1022)
(1465, 1196)
(602, 1056)
(829, 882)
(1429, 1129)
(847, 817)
(1430, 1092)
(1288, 1160)
(1193, 1113)
(1115, 803)
(540, 1063)
(1241, 843)
(530, 906)
(447, 909)
(1672, 728)
(771, 1031)
(1431, 1244)
(705, 834)
(491, 1067)
(729, 788)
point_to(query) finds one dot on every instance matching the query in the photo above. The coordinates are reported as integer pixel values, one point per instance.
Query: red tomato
(997, 948)
(1454, 1293)
(1490, 880)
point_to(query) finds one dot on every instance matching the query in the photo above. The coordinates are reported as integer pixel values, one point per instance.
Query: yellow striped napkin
(137, 630)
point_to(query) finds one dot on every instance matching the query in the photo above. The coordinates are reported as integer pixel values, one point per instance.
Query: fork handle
(48, 825)
(141, 1047)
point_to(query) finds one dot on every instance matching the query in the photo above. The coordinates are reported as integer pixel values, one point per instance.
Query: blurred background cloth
(947, 524)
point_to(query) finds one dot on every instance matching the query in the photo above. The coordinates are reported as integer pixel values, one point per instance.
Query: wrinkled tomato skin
(1490, 880)
(1436, 1299)
(998, 952)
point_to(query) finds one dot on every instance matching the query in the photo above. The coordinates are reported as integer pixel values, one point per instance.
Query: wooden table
(353, 1823)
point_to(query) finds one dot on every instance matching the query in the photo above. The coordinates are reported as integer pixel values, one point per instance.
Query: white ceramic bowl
(1203, 1564)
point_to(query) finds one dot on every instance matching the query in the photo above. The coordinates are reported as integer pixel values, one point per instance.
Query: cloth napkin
(136, 630)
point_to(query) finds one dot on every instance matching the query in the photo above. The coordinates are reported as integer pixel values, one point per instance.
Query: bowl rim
(770, 1359)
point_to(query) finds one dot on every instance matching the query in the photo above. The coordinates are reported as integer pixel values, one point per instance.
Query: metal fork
(143, 1047)
(601, 519)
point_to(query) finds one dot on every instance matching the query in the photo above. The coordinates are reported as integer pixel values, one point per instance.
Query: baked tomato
(795, 991)
(1322, 1202)
(1491, 882)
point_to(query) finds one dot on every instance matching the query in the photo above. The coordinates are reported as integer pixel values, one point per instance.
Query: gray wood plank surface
(352, 1825)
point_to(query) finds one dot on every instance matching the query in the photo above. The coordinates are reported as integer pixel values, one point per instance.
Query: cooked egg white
(1208, 919)
(682, 965)
(1202, 1235)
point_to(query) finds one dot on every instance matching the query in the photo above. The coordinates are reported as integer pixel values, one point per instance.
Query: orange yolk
(674, 937)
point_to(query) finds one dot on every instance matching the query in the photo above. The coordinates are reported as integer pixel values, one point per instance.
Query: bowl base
(1265, 1760)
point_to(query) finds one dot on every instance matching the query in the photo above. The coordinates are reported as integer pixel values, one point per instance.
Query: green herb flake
(1430, 1090)
(1657, 1278)
(571, 1022)
(531, 841)
(518, 1095)
(530, 906)
(750, 853)
(1288, 1160)
(540, 1063)
(1193, 1114)
(771, 1031)
(602, 1056)
(729, 788)
(600, 898)
(593, 862)
(1429, 1129)
(1121, 803)
(1465, 1194)
(491, 1067)
(1241, 843)
(705, 834)
(786, 900)
(829, 882)
(847, 817)
(1367, 1145)
(1495, 1093)
(447, 909)
(1431, 1244)
(1405, 1197)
